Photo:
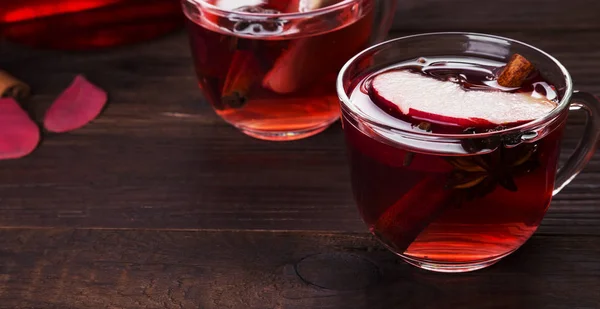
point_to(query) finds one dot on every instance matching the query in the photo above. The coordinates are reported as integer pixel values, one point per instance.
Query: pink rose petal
(75, 107)
(19, 135)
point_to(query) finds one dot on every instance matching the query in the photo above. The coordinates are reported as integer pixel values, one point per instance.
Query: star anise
(479, 175)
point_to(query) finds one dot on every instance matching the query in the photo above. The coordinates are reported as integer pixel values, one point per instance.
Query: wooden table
(160, 204)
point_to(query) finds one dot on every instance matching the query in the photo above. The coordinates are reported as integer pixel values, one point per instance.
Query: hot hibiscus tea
(474, 201)
(272, 75)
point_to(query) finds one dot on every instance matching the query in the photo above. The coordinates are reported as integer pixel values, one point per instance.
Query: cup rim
(288, 16)
(536, 123)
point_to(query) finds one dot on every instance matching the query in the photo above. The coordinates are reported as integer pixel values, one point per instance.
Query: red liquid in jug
(87, 24)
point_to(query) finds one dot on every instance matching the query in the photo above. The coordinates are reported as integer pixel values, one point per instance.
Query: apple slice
(413, 95)
(310, 5)
(316, 58)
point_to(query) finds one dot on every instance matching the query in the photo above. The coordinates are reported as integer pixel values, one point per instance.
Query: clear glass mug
(410, 208)
(270, 69)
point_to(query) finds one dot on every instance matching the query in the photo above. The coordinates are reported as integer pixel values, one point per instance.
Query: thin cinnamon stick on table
(10, 86)
(515, 72)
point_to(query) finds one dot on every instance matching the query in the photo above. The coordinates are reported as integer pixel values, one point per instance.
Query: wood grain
(160, 158)
(158, 269)
(500, 15)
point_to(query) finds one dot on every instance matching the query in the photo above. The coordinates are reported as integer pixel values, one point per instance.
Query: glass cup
(401, 178)
(270, 69)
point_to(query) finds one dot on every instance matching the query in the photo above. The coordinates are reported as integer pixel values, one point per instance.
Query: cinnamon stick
(402, 222)
(515, 72)
(242, 75)
(11, 87)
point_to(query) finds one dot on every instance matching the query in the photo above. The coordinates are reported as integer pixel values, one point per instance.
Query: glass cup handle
(587, 145)
(386, 13)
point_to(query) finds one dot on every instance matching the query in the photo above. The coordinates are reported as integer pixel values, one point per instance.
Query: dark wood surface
(176, 269)
(159, 204)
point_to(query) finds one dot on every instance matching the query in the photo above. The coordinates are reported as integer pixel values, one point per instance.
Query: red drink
(476, 203)
(83, 24)
(274, 78)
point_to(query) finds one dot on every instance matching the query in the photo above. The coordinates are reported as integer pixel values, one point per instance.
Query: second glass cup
(457, 202)
(269, 69)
